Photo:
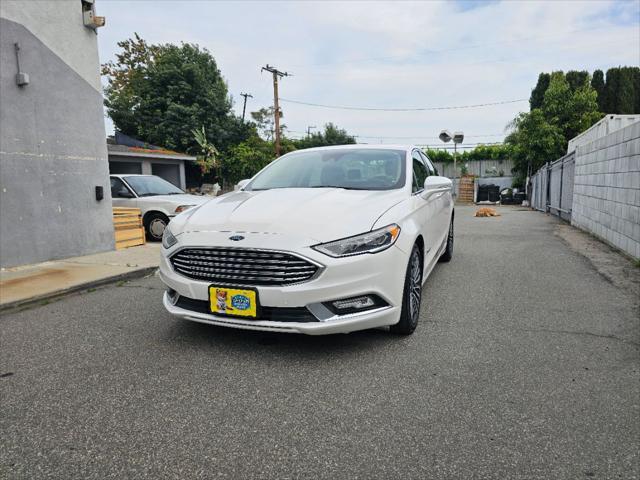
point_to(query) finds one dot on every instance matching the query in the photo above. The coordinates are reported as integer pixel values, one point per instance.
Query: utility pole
(244, 106)
(276, 105)
(309, 130)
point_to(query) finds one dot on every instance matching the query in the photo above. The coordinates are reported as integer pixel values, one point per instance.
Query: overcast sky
(389, 55)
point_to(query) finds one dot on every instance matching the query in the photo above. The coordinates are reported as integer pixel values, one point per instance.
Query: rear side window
(420, 172)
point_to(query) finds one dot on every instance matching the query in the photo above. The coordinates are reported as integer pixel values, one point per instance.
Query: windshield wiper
(336, 186)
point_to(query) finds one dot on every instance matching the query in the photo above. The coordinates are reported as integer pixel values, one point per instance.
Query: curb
(28, 302)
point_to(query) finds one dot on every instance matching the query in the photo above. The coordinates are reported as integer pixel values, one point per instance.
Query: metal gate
(552, 187)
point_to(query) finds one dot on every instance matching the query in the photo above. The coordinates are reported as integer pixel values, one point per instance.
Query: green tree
(265, 123)
(440, 156)
(597, 82)
(162, 93)
(622, 90)
(487, 152)
(537, 94)
(577, 79)
(572, 111)
(126, 77)
(533, 142)
(246, 159)
(331, 135)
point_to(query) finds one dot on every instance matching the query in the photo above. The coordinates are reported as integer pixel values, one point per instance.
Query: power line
(411, 109)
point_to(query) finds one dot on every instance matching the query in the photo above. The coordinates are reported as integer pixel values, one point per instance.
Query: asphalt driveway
(526, 364)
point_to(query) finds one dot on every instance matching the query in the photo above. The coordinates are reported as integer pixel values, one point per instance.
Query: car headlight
(370, 242)
(168, 240)
(182, 208)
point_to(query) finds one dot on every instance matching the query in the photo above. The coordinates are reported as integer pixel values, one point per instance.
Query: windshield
(147, 186)
(353, 169)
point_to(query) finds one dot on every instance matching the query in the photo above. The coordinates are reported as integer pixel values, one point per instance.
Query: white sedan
(324, 240)
(158, 200)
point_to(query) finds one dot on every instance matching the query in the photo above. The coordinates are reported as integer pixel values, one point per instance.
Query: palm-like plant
(208, 156)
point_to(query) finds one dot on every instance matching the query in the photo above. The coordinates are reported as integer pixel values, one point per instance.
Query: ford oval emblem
(236, 238)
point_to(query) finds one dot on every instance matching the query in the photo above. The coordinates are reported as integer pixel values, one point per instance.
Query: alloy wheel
(415, 287)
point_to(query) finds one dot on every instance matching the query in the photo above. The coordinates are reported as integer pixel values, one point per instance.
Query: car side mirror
(241, 184)
(435, 184)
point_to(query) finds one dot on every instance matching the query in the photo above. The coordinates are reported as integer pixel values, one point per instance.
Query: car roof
(361, 146)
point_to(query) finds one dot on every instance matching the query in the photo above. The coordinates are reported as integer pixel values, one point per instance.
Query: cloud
(390, 54)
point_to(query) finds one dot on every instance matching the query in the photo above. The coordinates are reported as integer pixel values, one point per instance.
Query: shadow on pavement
(202, 336)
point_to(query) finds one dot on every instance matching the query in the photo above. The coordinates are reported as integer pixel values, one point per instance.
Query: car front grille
(242, 266)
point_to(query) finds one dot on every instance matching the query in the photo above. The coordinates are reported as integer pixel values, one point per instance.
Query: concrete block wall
(606, 196)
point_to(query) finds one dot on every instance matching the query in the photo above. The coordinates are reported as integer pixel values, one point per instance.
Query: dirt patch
(618, 269)
(49, 275)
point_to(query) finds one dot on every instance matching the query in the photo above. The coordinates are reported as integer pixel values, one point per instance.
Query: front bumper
(381, 274)
(342, 324)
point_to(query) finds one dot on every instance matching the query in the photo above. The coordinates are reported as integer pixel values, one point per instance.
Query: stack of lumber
(127, 224)
(465, 193)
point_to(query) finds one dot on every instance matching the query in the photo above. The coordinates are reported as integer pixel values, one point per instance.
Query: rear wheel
(154, 225)
(447, 255)
(412, 295)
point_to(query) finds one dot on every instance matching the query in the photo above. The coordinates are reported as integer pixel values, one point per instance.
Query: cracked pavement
(526, 364)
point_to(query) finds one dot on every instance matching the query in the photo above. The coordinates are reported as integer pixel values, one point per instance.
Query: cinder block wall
(606, 196)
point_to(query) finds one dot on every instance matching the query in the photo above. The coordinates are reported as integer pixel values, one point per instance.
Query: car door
(426, 210)
(443, 204)
(121, 195)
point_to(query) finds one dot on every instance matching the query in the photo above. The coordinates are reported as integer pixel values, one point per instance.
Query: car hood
(320, 214)
(180, 199)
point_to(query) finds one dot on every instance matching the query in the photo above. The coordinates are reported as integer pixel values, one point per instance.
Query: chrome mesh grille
(242, 266)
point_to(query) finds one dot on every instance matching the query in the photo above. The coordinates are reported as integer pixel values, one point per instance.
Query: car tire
(447, 255)
(412, 295)
(154, 225)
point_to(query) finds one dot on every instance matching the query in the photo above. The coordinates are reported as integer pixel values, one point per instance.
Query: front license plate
(233, 301)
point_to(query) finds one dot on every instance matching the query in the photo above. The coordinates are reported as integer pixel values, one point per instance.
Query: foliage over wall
(562, 106)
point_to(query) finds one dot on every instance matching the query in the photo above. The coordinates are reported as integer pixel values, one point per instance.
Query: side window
(118, 189)
(427, 162)
(420, 172)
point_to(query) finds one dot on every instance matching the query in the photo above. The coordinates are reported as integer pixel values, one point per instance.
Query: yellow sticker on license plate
(233, 301)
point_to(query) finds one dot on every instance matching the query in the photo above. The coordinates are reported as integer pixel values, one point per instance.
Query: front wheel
(412, 295)
(154, 224)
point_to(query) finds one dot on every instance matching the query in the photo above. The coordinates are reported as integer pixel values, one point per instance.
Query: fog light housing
(361, 303)
(173, 295)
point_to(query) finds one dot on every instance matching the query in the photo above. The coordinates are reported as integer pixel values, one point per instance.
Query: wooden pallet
(127, 224)
(465, 186)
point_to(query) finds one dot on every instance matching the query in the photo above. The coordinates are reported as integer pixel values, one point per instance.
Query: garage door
(171, 173)
(125, 168)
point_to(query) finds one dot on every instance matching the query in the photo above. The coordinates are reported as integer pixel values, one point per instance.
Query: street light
(457, 137)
